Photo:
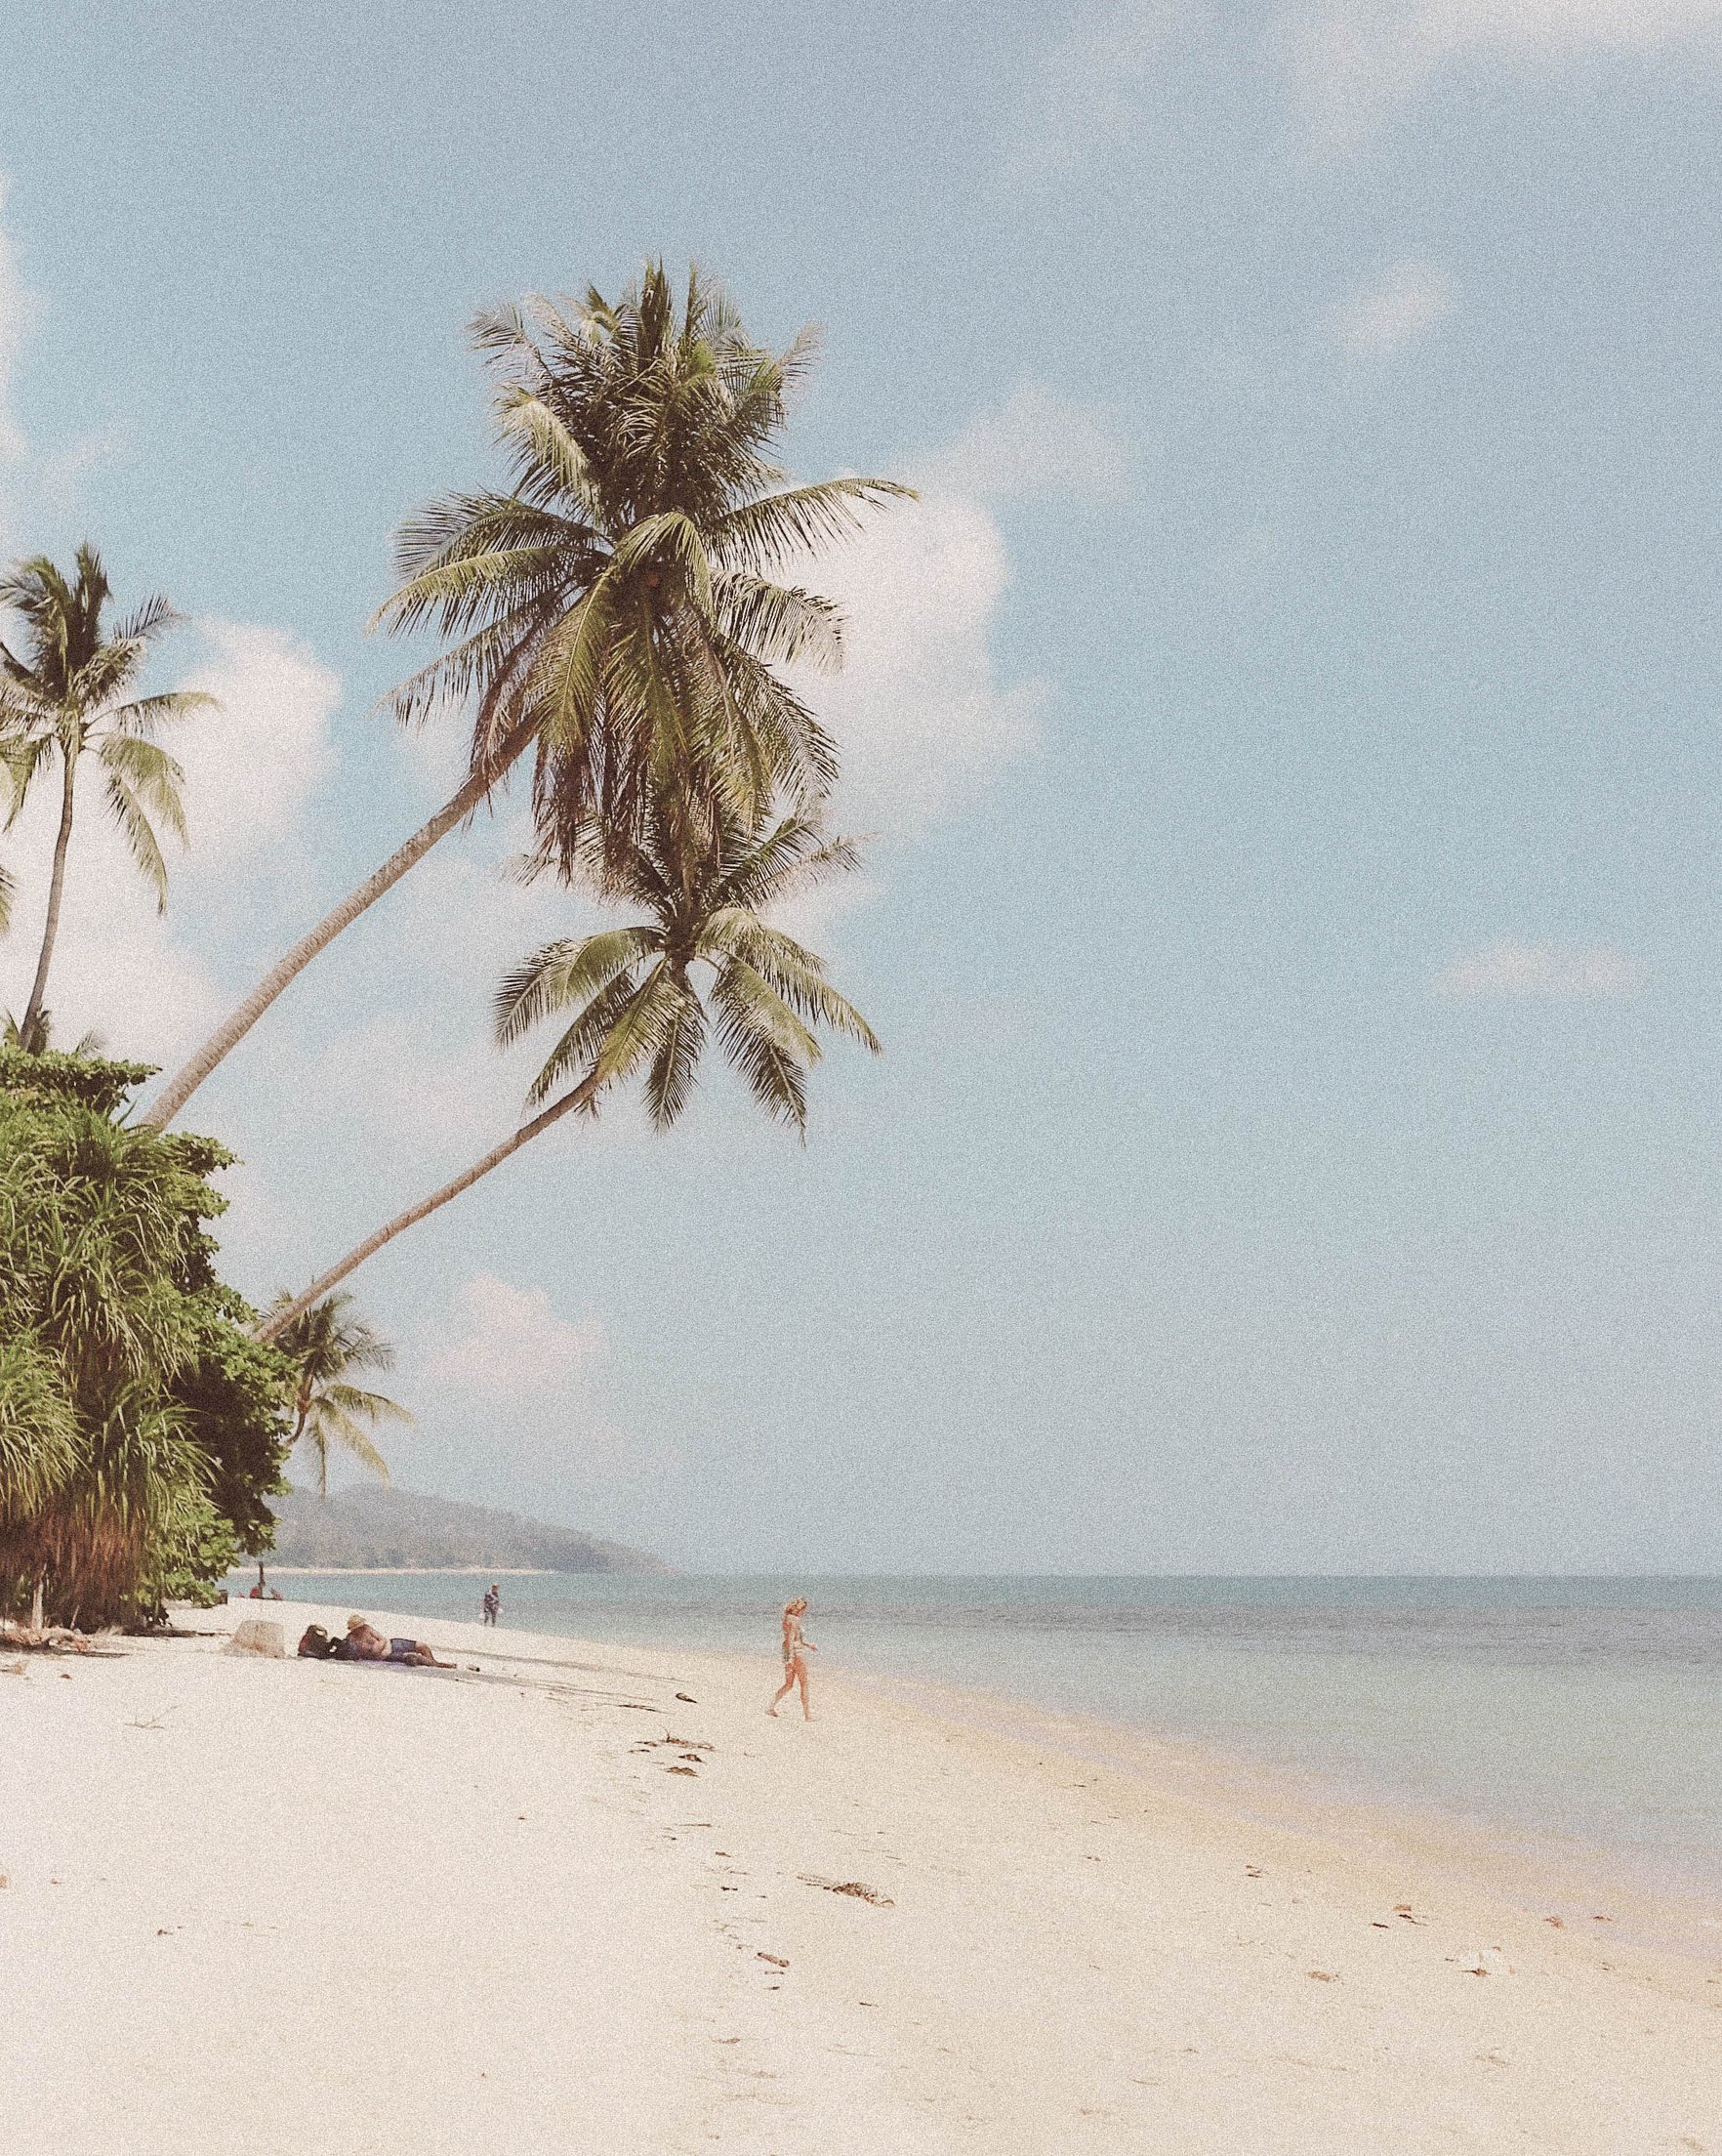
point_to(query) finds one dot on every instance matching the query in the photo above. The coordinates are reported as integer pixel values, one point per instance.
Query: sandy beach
(549, 1905)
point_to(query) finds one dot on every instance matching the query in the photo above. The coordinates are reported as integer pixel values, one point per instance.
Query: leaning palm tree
(615, 608)
(644, 998)
(68, 691)
(325, 1342)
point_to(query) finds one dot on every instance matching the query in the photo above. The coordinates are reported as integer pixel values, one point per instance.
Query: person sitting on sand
(795, 1651)
(365, 1643)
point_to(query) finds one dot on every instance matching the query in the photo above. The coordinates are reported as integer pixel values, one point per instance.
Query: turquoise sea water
(1579, 1711)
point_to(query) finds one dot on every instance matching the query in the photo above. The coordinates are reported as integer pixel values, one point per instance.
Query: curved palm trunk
(56, 891)
(577, 1098)
(238, 1023)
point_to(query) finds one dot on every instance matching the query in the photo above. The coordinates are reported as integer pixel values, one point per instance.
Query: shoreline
(1541, 1867)
(410, 1572)
(638, 1916)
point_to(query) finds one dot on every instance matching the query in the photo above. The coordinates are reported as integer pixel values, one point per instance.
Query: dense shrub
(141, 1429)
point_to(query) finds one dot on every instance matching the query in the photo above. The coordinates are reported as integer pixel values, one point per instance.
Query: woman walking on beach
(795, 1651)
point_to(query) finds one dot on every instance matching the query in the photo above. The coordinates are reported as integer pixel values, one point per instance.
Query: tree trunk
(37, 1594)
(276, 1320)
(238, 1023)
(56, 891)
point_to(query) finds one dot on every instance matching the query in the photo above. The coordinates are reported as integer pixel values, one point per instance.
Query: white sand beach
(313, 1909)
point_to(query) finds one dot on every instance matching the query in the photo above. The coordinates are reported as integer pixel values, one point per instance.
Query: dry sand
(306, 1909)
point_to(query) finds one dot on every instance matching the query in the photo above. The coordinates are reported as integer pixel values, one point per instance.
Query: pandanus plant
(615, 611)
(643, 1001)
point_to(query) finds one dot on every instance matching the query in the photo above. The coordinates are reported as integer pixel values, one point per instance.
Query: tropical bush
(143, 1429)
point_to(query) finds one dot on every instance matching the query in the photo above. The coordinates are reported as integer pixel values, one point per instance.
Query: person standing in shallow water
(795, 1651)
(492, 1603)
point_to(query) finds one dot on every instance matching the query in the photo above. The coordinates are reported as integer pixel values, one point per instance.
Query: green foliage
(619, 600)
(636, 993)
(324, 1344)
(141, 1429)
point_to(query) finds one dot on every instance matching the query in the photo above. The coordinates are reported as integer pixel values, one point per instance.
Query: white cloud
(510, 1345)
(1353, 58)
(1557, 972)
(1037, 442)
(920, 713)
(251, 766)
(1401, 306)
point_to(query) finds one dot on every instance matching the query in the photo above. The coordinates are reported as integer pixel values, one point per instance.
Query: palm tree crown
(644, 997)
(325, 1343)
(69, 688)
(616, 602)
(706, 959)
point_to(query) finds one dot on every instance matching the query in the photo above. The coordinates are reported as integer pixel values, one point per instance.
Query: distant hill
(381, 1528)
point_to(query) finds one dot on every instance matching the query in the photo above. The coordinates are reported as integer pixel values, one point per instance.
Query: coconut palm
(68, 691)
(614, 609)
(325, 1342)
(644, 998)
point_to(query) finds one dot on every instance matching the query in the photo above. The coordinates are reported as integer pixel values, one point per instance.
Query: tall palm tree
(644, 998)
(69, 691)
(325, 1342)
(614, 609)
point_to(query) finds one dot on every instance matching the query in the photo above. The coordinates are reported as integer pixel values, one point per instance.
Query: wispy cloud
(1354, 58)
(1035, 442)
(1553, 971)
(507, 1363)
(1404, 303)
(1347, 62)
(1087, 90)
(510, 1345)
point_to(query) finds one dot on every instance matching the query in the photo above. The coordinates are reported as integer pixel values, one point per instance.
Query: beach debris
(1488, 1961)
(687, 1699)
(1253, 1870)
(776, 1959)
(688, 1770)
(1602, 1919)
(854, 1886)
(259, 1636)
(5, 1880)
(20, 1668)
(149, 1721)
(1558, 1923)
(1376, 1924)
(1403, 1911)
(1325, 1976)
(52, 1639)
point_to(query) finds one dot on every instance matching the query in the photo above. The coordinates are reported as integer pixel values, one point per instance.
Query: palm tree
(613, 609)
(325, 1342)
(39, 1041)
(637, 1003)
(71, 692)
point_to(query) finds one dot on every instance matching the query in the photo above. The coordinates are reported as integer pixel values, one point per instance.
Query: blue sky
(1288, 724)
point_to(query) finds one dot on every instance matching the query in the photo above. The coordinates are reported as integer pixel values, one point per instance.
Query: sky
(1285, 729)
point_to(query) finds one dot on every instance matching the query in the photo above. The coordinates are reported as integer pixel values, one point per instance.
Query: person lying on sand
(365, 1643)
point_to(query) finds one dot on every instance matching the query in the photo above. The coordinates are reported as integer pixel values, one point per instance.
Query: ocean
(1577, 1714)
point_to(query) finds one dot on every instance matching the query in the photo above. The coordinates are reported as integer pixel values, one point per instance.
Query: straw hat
(355, 1622)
